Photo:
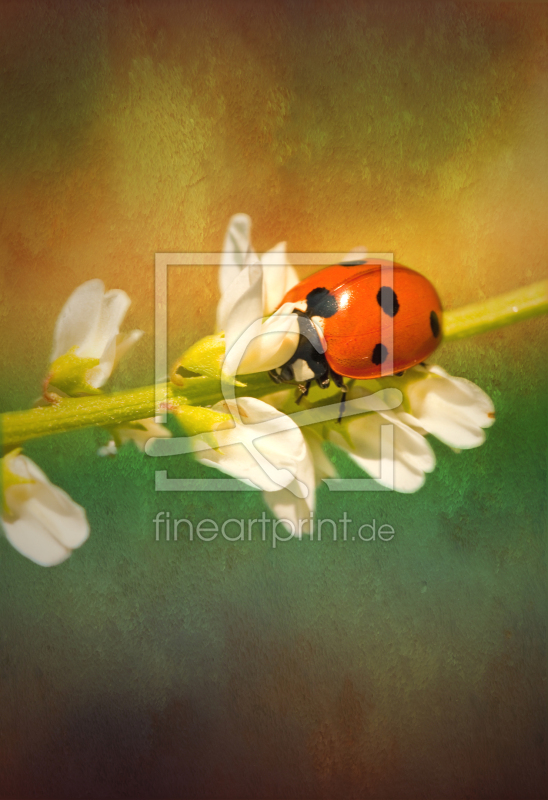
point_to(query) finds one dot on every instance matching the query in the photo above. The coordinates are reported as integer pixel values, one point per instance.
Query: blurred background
(327, 669)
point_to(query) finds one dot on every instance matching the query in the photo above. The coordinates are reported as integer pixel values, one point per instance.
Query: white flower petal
(264, 345)
(236, 250)
(406, 477)
(113, 310)
(33, 540)
(99, 375)
(412, 454)
(79, 316)
(409, 444)
(454, 410)
(411, 422)
(286, 506)
(116, 349)
(89, 323)
(449, 425)
(236, 460)
(45, 523)
(323, 467)
(98, 337)
(241, 304)
(268, 450)
(278, 277)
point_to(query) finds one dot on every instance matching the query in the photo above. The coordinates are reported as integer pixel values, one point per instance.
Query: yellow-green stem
(72, 413)
(114, 409)
(514, 306)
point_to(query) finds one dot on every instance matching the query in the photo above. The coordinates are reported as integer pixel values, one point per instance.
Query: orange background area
(130, 128)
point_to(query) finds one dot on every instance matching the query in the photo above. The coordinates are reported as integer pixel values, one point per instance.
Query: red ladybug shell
(380, 319)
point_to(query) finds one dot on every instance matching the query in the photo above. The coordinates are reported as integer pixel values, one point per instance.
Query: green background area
(143, 668)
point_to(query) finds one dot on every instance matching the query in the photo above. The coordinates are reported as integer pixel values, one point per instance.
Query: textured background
(414, 668)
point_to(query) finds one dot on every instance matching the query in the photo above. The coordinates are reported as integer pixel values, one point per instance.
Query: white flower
(87, 347)
(251, 289)
(40, 520)
(298, 511)
(238, 254)
(256, 346)
(87, 343)
(400, 466)
(267, 450)
(264, 448)
(454, 410)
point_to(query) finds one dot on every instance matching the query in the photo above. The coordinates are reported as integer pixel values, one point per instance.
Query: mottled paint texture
(411, 668)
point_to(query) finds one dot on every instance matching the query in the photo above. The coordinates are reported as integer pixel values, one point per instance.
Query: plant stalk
(109, 410)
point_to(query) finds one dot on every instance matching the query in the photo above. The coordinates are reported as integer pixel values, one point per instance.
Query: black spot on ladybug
(388, 301)
(435, 324)
(379, 354)
(321, 303)
(352, 263)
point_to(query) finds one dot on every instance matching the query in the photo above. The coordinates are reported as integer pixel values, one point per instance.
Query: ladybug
(360, 319)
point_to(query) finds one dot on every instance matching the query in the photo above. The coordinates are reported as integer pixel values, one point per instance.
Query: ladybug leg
(338, 380)
(308, 363)
(283, 374)
(302, 391)
(344, 390)
(274, 375)
(322, 379)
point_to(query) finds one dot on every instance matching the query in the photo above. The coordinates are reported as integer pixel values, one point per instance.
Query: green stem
(514, 306)
(119, 407)
(72, 413)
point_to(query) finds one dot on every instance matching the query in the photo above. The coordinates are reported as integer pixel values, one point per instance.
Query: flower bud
(196, 420)
(205, 357)
(70, 374)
